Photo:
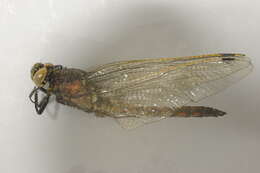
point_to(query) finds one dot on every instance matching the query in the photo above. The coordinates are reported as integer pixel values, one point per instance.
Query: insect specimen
(141, 91)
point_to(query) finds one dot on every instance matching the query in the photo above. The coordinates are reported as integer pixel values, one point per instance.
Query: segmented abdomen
(127, 110)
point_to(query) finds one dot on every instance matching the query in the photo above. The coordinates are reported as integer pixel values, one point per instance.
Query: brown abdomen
(116, 110)
(197, 111)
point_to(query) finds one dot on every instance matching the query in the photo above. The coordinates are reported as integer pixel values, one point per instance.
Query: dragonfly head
(41, 75)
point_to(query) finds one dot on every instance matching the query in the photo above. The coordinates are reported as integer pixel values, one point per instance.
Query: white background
(85, 33)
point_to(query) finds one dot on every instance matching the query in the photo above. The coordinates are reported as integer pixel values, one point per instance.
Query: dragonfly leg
(39, 106)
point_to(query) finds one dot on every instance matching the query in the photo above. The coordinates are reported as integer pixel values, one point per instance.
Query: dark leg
(39, 106)
(35, 89)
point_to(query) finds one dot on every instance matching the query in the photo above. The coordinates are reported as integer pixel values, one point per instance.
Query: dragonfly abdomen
(129, 110)
(197, 111)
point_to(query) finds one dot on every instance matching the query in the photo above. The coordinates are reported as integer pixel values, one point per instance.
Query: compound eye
(39, 76)
(35, 68)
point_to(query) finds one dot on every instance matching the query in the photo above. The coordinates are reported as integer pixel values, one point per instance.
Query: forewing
(171, 82)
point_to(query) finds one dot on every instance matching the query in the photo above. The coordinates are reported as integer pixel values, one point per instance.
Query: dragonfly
(143, 91)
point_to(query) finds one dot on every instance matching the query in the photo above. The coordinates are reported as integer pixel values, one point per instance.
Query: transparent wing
(135, 122)
(168, 82)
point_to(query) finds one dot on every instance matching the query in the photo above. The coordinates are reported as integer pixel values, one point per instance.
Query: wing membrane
(171, 82)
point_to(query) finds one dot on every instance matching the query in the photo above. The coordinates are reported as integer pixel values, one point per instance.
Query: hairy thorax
(70, 86)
